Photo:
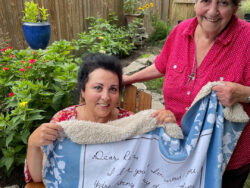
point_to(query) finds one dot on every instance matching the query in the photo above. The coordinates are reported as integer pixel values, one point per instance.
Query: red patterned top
(69, 113)
(227, 60)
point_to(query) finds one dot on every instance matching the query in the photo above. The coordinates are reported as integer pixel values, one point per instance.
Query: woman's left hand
(164, 116)
(230, 93)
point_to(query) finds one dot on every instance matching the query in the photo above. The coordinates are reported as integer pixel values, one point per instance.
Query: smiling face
(101, 95)
(214, 15)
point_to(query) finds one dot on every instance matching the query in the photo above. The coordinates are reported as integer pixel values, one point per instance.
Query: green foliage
(104, 37)
(247, 183)
(130, 6)
(33, 14)
(145, 56)
(245, 6)
(137, 6)
(133, 29)
(44, 14)
(155, 84)
(161, 29)
(34, 85)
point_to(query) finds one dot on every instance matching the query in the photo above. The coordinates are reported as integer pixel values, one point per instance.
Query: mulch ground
(16, 177)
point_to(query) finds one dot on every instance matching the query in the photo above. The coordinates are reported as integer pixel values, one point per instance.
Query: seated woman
(99, 85)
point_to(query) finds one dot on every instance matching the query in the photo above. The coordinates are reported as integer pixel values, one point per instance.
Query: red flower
(22, 69)
(5, 68)
(32, 61)
(11, 94)
(23, 61)
(34, 52)
(4, 49)
(12, 56)
(29, 67)
(10, 47)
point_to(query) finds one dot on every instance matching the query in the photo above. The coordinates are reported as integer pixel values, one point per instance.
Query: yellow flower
(23, 104)
(152, 5)
(140, 8)
(100, 38)
(102, 51)
(146, 6)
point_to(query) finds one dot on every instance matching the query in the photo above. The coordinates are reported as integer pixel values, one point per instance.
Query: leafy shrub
(34, 85)
(104, 37)
(134, 30)
(161, 29)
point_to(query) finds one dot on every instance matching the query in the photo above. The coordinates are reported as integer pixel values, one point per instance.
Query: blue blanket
(153, 159)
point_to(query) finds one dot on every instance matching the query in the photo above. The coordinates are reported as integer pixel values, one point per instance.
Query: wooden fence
(67, 17)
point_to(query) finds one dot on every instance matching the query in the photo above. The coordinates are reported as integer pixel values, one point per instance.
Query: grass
(145, 55)
(155, 85)
(247, 183)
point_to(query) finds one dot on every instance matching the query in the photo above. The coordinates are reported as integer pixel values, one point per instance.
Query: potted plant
(36, 28)
(135, 9)
(245, 8)
(131, 10)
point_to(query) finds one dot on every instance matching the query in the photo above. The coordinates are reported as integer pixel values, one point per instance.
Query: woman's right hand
(45, 134)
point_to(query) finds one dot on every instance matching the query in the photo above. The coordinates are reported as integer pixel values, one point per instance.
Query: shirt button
(188, 93)
(175, 66)
(186, 108)
(221, 78)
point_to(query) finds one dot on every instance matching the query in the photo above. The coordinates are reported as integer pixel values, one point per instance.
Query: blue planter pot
(37, 35)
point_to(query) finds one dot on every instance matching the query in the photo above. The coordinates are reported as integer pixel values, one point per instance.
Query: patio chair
(132, 100)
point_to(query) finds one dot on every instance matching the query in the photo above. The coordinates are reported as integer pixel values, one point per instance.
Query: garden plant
(34, 85)
(105, 37)
(34, 14)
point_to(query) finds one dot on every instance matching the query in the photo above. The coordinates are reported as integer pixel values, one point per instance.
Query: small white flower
(61, 165)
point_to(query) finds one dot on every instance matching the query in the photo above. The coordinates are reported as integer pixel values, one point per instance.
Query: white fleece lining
(86, 132)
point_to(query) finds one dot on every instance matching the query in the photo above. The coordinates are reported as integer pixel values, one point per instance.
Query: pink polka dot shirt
(227, 60)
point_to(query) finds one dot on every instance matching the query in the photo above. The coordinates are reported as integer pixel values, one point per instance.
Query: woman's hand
(164, 116)
(45, 134)
(231, 93)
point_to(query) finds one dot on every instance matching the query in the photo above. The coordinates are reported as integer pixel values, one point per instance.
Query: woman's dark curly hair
(95, 61)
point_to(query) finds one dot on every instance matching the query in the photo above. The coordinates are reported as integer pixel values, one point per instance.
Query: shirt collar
(224, 38)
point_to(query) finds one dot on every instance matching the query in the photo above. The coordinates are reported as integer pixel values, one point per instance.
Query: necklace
(191, 76)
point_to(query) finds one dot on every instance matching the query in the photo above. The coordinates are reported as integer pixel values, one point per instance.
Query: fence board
(180, 10)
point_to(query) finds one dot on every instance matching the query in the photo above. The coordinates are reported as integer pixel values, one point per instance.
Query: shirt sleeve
(162, 59)
(27, 175)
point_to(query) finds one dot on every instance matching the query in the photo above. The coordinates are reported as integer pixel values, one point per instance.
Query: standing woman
(213, 46)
